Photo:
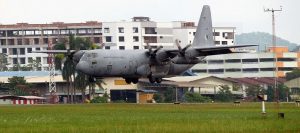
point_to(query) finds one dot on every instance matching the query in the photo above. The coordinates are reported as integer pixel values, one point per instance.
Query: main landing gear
(154, 79)
(131, 80)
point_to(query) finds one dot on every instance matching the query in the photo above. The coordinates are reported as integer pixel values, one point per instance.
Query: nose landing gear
(92, 79)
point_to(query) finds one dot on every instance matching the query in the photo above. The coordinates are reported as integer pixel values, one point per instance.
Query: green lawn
(140, 118)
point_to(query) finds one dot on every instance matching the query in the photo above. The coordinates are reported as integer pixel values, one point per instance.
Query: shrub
(195, 98)
(99, 100)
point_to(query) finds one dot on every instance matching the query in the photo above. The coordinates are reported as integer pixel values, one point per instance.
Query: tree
(169, 95)
(34, 65)
(3, 62)
(192, 97)
(254, 90)
(224, 94)
(283, 93)
(293, 74)
(18, 86)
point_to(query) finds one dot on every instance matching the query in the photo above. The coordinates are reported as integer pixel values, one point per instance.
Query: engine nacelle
(191, 53)
(161, 56)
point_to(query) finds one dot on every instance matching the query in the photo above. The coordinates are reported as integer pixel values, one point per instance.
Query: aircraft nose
(80, 66)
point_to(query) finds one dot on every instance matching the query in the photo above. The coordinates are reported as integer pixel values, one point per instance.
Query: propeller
(158, 55)
(181, 50)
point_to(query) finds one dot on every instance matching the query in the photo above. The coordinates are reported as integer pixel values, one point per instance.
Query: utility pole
(276, 94)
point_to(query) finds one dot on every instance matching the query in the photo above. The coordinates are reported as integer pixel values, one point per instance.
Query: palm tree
(68, 70)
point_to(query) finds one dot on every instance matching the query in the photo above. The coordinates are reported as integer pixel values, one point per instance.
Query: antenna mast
(276, 93)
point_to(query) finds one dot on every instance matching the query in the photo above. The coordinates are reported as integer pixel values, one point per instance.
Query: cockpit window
(94, 55)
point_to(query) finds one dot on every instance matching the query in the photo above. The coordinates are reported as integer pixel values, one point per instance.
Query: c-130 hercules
(153, 64)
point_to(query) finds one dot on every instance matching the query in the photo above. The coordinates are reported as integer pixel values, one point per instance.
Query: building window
(38, 59)
(73, 31)
(121, 39)
(150, 30)
(15, 60)
(250, 70)
(135, 47)
(37, 49)
(199, 71)
(108, 38)
(233, 70)
(286, 59)
(96, 39)
(29, 32)
(233, 61)
(121, 29)
(246, 61)
(19, 41)
(37, 32)
(217, 42)
(3, 41)
(286, 68)
(15, 51)
(29, 50)
(106, 30)
(22, 51)
(215, 61)
(121, 47)
(267, 69)
(64, 32)
(98, 31)
(22, 60)
(135, 29)
(215, 70)
(107, 47)
(45, 40)
(30, 60)
(4, 50)
(26, 41)
(82, 31)
(224, 42)
(266, 59)
(216, 33)
(47, 32)
(135, 38)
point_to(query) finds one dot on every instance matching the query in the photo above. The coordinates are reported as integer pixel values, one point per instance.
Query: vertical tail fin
(204, 34)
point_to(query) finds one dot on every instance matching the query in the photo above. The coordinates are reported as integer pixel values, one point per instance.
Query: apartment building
(240, 65)
(141, 30)
(18, 41)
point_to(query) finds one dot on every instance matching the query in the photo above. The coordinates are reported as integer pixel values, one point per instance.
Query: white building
(135, 34)
(249, 64)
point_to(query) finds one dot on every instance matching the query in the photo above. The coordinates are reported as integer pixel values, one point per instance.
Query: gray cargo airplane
(153, 64)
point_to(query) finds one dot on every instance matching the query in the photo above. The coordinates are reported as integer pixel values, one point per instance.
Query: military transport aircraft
(153, 64)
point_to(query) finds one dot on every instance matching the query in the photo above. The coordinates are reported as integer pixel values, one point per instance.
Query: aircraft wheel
(92, 79)
(135, 80)
(151, 80)
(158, 80)
(128, 81)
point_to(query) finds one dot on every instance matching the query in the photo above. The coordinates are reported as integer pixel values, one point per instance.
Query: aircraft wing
(214, 50)
(54, 51)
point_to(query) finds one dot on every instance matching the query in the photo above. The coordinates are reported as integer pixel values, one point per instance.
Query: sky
(245, 15)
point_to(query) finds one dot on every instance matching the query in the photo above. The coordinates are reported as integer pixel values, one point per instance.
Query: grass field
(140, 118)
